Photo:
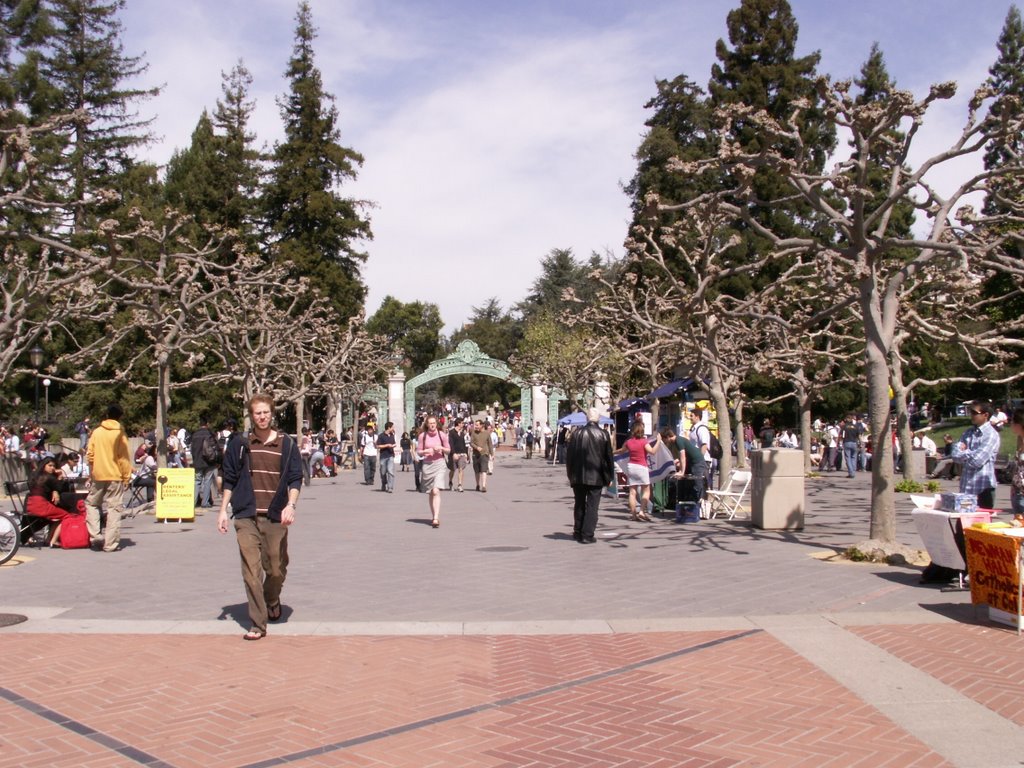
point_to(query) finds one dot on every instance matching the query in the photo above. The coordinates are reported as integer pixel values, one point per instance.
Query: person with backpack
(262, 480)
(700, 434)
(206, 457)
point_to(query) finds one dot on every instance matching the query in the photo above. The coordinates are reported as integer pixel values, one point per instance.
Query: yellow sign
(992, 562)
(175, 494)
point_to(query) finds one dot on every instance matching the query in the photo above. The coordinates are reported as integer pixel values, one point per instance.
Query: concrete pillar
(602, 396)
(396, 400)
(539, 396)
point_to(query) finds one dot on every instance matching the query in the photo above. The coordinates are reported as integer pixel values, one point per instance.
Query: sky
(495, 132)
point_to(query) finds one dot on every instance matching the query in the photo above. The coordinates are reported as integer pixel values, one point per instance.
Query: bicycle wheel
(10, 537)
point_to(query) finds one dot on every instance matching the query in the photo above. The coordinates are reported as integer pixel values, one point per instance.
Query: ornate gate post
(396, 400)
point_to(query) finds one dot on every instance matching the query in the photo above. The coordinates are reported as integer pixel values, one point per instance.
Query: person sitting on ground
(45, 498)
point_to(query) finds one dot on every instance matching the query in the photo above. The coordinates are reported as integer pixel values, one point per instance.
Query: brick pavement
(497, 641)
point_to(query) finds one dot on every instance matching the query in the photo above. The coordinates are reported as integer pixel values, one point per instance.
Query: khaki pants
(263, 546)
(110, 495)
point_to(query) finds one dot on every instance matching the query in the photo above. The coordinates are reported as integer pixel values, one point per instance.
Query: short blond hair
(260, 397)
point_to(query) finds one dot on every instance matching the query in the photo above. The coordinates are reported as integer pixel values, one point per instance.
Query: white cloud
(493, 134)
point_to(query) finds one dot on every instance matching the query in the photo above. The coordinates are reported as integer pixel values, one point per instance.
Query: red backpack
(73, 532)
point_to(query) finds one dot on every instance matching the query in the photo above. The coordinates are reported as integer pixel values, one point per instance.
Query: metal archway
(467, 358)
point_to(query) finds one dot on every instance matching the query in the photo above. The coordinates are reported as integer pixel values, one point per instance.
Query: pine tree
(679, 127)
(85, 68)
(761, 70)
(312, 225)
(23, 28)
(194, 176)
(239, 160)
(1006, 77)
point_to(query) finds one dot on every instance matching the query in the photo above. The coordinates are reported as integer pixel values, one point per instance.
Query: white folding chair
(727, 500)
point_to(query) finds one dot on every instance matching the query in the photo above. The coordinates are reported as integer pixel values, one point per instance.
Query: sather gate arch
(467, 358)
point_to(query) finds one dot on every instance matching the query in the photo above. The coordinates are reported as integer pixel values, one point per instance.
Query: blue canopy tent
(579, 418)
(668, 390)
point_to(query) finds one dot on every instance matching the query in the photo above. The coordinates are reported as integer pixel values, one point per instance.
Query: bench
(1004, 467)
(34, 530)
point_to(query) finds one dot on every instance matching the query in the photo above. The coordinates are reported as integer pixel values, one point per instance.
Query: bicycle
(10, 536)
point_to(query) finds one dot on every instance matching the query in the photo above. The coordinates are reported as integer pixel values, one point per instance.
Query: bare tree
(43, 278)
(866, 253)
(162, 290)
(281, 336)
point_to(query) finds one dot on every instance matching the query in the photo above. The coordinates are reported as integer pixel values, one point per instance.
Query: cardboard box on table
(994, 565)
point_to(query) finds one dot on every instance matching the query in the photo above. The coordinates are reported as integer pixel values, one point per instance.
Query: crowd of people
(258, 475)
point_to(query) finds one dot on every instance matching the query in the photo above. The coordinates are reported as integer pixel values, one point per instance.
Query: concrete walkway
(496, 640)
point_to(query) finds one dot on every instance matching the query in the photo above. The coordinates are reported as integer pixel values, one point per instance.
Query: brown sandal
(254, 634)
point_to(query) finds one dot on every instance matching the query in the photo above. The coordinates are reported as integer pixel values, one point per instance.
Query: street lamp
(46, 390)
(35, 356)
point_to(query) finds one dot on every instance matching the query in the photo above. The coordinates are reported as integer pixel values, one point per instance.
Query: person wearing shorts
(638, 449)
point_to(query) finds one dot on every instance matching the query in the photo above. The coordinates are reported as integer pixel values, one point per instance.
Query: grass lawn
(956, 426)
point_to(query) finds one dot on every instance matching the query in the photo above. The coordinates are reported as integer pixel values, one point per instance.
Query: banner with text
(175, 494)
(993, 561)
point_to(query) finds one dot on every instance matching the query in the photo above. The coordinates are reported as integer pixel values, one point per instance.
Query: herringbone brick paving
(981, 662)
(682, 698)
(737, 699)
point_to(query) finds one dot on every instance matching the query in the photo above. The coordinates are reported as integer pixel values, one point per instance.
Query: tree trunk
(721, 403)
(803, 399)
(300, 413)
(903, 433)
(741, 446)
(163, 404)
(883, 503)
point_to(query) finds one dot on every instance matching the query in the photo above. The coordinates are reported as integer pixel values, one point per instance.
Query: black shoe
(577, 536)
(588, 540)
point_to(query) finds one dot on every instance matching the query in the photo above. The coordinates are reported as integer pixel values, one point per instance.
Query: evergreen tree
(876, 86)
(560, 271)
(239, 160)
(761, 70)
(1006, 77)
(23, 29)
(312, 225)
(85, 68)
(194, 176)
(679, 127)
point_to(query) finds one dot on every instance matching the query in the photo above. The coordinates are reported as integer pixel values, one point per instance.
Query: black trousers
(587, 499)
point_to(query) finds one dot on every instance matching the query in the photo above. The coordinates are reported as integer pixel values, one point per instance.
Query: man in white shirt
(998, 419)
(921, 440)
(700, 435)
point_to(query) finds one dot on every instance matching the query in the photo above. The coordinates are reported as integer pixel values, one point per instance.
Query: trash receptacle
(777, 489)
